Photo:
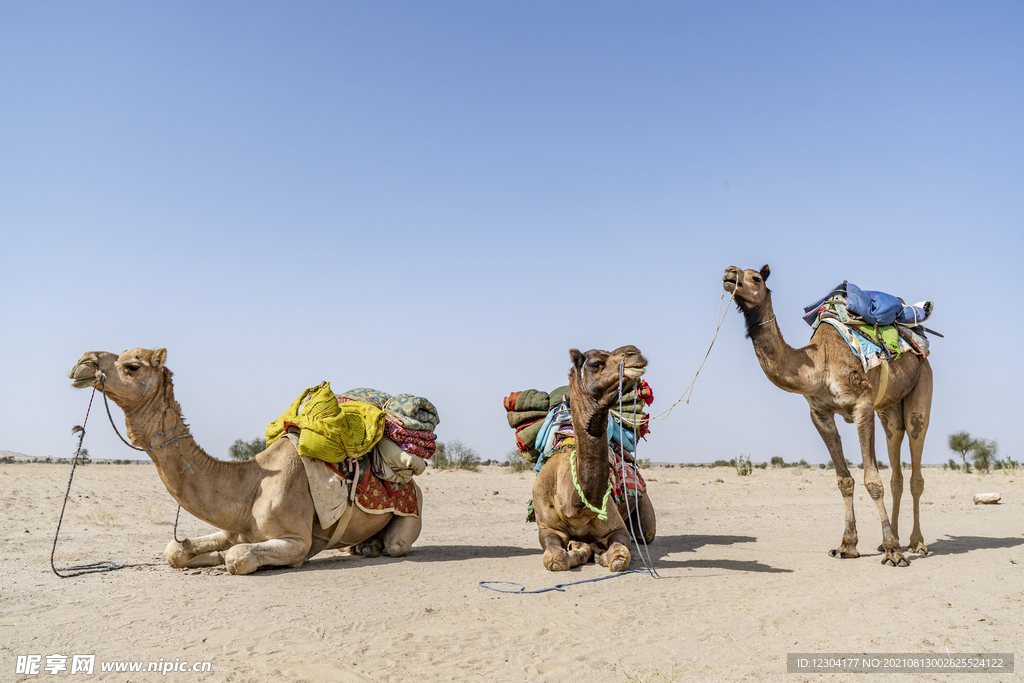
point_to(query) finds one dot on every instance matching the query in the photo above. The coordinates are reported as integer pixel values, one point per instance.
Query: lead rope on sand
(557, 587)
(92, 567)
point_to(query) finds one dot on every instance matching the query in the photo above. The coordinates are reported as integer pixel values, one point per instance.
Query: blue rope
(559, 587)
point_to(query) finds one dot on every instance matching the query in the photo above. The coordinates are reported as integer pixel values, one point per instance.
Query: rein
(108, 565)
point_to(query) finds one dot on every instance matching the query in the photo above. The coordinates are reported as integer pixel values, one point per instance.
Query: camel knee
(398, 547)
(916, 484)
(240, 559)
(176, 555)
(875, 489)
(846, 486)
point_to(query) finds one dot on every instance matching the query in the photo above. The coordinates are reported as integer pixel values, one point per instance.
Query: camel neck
(206, 487)
(782, 364)
(590, 428)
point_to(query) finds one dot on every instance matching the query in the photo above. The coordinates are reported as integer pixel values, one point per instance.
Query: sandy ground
(746, 579)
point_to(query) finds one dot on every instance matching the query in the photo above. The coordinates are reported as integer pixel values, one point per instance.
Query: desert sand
(745, 579)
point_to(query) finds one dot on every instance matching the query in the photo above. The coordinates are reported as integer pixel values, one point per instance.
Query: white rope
(689, 389)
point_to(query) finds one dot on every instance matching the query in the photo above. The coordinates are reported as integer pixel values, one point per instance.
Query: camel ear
(765, 272)
(577, 358)
(159, 356)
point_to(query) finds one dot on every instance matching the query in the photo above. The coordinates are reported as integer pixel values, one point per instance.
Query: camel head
(129, 380)
(594, 378)
(747, 285)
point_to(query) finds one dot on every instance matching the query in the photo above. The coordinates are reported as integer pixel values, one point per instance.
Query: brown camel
(262, 506)
(564, 520)
(833, 381)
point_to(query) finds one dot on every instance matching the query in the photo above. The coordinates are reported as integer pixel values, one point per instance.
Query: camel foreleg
(825, 423)
(616, 557)
(556, 557)
(205, 551)
(245, 558)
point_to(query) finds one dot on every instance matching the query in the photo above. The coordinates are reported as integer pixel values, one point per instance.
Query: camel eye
(756, 278)
(595, 366)
(134, 367)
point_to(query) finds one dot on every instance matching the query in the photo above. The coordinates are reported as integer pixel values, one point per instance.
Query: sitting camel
(262, 506)
(833, 381)
(566, 505)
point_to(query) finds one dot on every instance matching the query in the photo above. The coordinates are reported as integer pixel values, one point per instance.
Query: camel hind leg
(892, 424)
(917, 407)
(641, 516)
(401, 532)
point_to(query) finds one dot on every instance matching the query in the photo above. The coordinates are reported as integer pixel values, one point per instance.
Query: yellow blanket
(330, 431)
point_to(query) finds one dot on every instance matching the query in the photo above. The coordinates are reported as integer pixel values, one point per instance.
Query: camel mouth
(635, 372)
(83, 375)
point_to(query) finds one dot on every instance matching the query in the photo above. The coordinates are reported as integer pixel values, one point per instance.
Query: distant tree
(455, 455)
(960, 443)
(247, 450)
(777, 461)
(983, 452)
(83, 456)
(517, 461)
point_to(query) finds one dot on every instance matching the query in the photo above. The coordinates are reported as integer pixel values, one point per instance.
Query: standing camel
(570, 527)
(262, 506)
(833, 381)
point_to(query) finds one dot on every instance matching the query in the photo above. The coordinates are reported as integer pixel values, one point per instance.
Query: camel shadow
(419, 553)
(958, 545)
(688, 543)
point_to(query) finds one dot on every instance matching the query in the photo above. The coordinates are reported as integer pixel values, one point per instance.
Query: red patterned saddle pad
(377, 496)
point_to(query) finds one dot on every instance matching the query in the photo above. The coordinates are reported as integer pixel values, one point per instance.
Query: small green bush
(516, 461)
(455, 455)
(742, 464)
(247, 450)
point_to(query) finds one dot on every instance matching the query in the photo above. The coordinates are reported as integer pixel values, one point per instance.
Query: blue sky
(444, 198)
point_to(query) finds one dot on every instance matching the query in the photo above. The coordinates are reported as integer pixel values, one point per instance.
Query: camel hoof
(888, 562)
(556, 561)
(903, 562)
(619, 564)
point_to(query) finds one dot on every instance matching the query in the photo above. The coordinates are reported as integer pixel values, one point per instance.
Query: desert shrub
(247, 450)
(643, 463)
(952, 464)
(881, 465)
(983, 452)
(516, 461)
(761, 466)
(455, 455)
(723, 463)
(777, 461)
(1008, 465)
(960, 443)
(742, 464)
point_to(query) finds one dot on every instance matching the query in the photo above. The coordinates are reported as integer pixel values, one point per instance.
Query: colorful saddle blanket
(874, 308)
(377, 497)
